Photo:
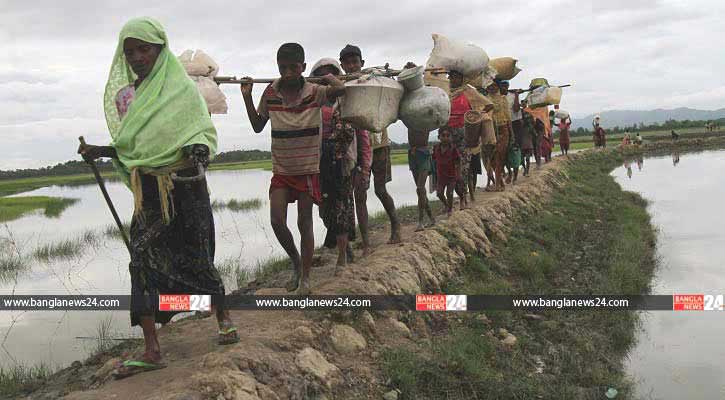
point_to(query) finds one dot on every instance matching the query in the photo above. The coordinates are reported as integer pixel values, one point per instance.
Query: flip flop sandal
(228, 336)
(133, 367)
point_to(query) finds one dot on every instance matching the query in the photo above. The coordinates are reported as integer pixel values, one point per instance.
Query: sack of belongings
(466, 58)
(371, 102)
(202, 70)
(506, 67)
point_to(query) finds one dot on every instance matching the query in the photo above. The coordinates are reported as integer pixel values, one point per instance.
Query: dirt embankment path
(320, 355)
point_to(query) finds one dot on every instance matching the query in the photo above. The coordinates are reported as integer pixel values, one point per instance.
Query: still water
(680, 355)
(244, 238)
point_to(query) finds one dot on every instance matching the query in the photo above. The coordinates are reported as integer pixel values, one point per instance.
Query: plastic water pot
(412, 79)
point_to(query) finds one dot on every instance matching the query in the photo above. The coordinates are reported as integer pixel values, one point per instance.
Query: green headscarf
(167, 112)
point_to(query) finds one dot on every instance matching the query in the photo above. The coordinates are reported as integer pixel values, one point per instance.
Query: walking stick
(102, 185)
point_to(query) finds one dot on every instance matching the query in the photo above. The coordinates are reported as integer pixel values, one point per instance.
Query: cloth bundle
(202, 70)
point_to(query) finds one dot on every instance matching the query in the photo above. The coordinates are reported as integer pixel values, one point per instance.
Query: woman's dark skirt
(177, 258)
(338, 205)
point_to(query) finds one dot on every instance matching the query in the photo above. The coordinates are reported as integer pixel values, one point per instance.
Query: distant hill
(623, 118)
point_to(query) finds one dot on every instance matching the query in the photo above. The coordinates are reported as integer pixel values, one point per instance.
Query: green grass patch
(67, 248)
(112, 231)
(231, 269)
(20, 378)
(591, 238)
(15, 207)
(237, 205)
(12, 186)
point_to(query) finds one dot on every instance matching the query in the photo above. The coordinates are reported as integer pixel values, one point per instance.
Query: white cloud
(621, 54)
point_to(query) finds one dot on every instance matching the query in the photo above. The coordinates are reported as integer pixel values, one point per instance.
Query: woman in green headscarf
(162, 137)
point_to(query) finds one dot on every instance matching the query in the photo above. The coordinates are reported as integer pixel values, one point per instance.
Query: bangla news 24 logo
(441, 302)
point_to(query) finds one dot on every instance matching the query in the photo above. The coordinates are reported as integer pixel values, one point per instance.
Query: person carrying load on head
(517, 123)
(293, 105)
(465, 98)
(502, 122)
(540, 114)
(529, 138)
(337, 161)
(162, 141)
(513, 158)
(376, 157)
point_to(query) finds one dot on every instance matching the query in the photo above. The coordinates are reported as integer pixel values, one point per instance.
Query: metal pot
(412, 78)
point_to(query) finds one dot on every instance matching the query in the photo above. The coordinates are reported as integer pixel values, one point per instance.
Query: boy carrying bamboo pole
(293, 105)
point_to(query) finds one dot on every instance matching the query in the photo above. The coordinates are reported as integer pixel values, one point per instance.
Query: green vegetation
(13, 186)
(237, 205)
(230, 268)
(10, 185)
(66, 248)
(20, 378)
(591, 238)
(14, 207)
(113, 232)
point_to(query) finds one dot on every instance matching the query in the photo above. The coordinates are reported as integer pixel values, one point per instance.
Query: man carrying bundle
(380, 166)
(465, 98)
(293, 105)
(502, 122)
(420, 163)
(530, 138)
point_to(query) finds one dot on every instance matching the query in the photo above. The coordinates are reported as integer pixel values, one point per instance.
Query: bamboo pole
(388, 73)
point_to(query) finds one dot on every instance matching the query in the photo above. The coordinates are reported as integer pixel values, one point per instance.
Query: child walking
(447, 158)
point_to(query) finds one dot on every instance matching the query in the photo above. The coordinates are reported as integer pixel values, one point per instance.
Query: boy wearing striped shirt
(293, 106)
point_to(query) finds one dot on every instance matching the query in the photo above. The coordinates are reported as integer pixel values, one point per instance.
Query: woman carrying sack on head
(162, 138)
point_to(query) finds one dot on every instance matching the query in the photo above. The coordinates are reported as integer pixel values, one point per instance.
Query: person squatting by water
(447, 166)
(294, 107)
(337, 161)
(161, 130)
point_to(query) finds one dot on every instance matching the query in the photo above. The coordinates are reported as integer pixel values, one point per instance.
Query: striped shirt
(295, 128)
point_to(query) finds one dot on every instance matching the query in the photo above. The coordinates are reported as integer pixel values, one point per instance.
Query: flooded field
(80, 252)
(679, 354)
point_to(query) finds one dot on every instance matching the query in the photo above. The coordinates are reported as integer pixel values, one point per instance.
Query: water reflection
(679, 355)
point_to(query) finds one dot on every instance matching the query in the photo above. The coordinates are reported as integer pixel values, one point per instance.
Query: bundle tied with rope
(481, 122)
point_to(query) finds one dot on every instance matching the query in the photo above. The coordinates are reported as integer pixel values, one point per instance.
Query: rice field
(15, 207)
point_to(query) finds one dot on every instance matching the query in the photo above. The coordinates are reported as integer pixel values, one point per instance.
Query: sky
(616, 54)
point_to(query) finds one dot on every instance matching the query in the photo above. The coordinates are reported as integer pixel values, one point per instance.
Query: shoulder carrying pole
(102, 185)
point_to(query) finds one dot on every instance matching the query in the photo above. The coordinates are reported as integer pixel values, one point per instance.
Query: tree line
(79, 167)
(641, 127)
